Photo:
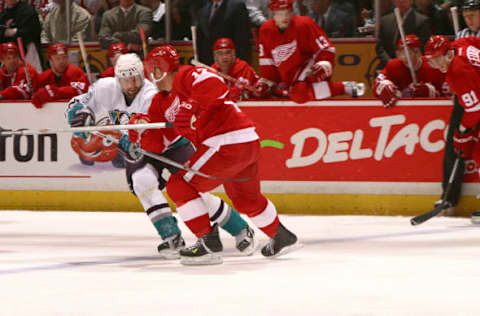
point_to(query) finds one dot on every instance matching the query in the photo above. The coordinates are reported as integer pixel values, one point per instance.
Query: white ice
(92, 263)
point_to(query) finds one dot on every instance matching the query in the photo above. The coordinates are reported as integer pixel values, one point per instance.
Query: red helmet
(117, 48)
(436, 46)
(412, 42)
(223, 43)
(280, 5)
(57, 49)
(8, 49)
(164, 57)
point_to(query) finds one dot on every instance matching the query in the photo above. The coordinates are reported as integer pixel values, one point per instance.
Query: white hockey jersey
(106, 95)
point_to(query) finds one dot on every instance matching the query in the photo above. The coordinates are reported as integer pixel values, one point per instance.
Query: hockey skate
(282, 243)
(245, 241)
(354, 89)
(170, 247)
(207, 250)
(475, 217)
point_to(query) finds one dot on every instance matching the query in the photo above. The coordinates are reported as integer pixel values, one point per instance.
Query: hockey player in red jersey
(227, 147)
(395, 79)
(295, 53)
(115, 50)
(62, 81)
(227, 63)
(12, 75)
(460, 62)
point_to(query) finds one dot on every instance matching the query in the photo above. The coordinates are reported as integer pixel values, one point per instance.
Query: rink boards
(338, 156)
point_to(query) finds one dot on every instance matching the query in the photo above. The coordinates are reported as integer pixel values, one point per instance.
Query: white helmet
(129, 65)
(129, 73)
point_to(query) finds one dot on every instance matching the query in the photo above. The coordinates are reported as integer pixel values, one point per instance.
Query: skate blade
(250, 249)
(286, 250)
(169, 254)
(208, 259)
(475, 220)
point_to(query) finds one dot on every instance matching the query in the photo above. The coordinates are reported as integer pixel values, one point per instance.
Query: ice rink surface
(88, 263)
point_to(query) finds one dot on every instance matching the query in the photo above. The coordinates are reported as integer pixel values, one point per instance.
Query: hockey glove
(320, 71)
(464, 140)
(387, 92)
(183, 122)
(422, 90)
(46, 94)
(78, 116)
(264, 88)
(235, 93)
(136, 134)
(130, 151)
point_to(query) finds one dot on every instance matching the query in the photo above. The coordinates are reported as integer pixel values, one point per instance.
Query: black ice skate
(170, 247)
(245, 241)
(207, 250)
(282, 243)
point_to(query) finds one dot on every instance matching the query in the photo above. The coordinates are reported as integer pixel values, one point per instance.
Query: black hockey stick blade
(426, 216)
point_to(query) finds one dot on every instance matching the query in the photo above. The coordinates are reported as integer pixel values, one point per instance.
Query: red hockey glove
(136, 134)
(464, 140)
(235, 93)
(264, 88)
(422, 90)
(46, 94)
(387, 92)
(320, 71)
(183, 122)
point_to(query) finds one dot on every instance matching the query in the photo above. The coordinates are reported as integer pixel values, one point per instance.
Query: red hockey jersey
(219, 121)
(282, 54)
(463, 77)
(14, 86)
(73, 82)
(399, 74)
(241, 71)
(109, 72)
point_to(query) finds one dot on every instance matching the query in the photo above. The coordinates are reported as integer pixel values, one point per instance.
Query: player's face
(415, 56)
(131, 85)
(224, 58)
(59, 63)
(11, 62)
(441, 63)
(472, 18)
(164, 81)
(282, 18)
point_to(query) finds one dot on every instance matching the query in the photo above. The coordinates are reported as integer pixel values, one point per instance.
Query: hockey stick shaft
(27, 72)
(398, 16)
(171, 162)
(193, 29)
(83, 52)
(437, 210)
(144, 41)
(87, 129)
(456, 25)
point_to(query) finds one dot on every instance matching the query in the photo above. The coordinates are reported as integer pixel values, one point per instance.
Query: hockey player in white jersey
(120, 97)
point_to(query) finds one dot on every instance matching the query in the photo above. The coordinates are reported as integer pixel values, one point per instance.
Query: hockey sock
(222, 214)
(167, 227)
(234, 223)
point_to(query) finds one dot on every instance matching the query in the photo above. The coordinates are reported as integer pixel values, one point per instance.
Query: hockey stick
(144, 41)
(171, 162)
(193, 28)
(443, 204)
(27, 72)
(195, 62)
(405, 46)
(86, 129)
(456, 25)
(83, 51)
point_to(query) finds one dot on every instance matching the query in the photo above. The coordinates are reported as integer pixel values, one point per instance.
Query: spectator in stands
(441, 23)
(114, 51)
(104, 6)
(337, 19)
(122, 23)
(223, 18)
(21, 20)
(14, 83)
(296, 54)
(181, 21)
(413, 23)
(395, 80)
(54, 27)
(471, 15)
(226, 62)
(62, 81)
